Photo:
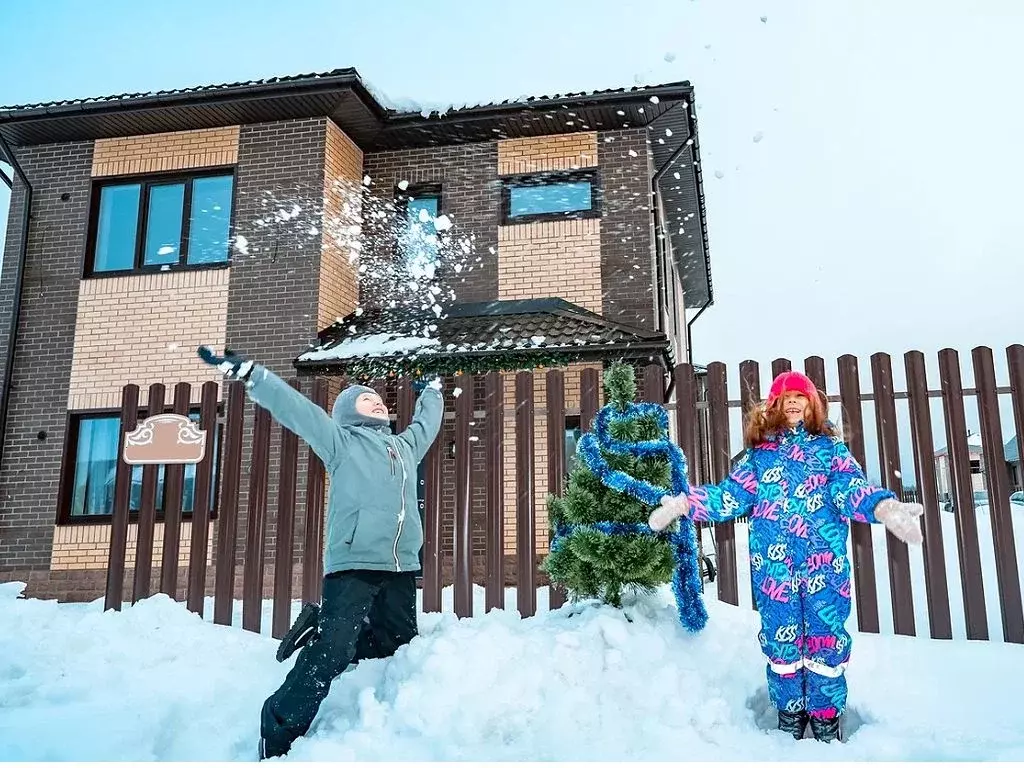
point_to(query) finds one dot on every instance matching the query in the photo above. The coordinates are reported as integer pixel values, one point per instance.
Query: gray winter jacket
(372, 518)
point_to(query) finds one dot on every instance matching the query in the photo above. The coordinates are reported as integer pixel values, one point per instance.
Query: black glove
(233, 366)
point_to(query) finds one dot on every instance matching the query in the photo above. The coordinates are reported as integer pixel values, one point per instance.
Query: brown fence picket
(142, 586)
(963, 495)
(173, 479)
(725, 533)
(653, 387)
(406, 404)
(997, 482)
(313, 530)
(781, 365)
(284, 544)
(814, 368)
(590, 397)
(463, 497)
(494, 406)
(122, 500)
(432, 529)
(889, 461)
(227, 504)
(1015, 360)
(750, 396)
(199, 546)
(936, 585)
(555, 391)
(252, 571)
(686, 416)
(860, 533)
(526, 518)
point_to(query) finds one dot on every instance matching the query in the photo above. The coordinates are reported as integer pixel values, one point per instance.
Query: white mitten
(671, 509)
(902, 520)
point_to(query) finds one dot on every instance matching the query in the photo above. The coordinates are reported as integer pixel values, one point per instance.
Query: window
(573, 433)
(417, 239)
(160, 223)
(551, 196)
(91, 468)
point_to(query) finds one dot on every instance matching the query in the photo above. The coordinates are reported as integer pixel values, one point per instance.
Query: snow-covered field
(158, 683)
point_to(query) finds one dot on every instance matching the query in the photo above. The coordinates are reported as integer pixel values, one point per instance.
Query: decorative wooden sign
(167, 438)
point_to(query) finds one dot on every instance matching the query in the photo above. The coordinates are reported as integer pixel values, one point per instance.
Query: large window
(91, 468)
(550, 196)
(418, 245)
(160, 223)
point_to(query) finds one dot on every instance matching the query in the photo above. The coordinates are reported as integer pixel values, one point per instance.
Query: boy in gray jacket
(371, 543)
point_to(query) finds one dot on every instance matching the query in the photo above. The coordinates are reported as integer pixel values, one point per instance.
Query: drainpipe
(689, 331)
(12, 332)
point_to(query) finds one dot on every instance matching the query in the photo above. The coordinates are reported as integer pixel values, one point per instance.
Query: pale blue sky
(878, 211)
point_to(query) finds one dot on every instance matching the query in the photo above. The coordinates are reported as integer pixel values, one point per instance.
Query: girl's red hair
(765, 420)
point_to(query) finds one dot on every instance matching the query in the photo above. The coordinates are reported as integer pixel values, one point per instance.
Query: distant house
(1011, 455)
(1011, 452)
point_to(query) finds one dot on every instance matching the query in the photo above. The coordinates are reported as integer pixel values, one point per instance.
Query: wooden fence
(700, 405)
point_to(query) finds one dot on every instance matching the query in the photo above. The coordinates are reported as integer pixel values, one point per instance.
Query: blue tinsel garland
(686, 582)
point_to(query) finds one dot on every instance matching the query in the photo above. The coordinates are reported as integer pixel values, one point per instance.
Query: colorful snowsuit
(801, 491)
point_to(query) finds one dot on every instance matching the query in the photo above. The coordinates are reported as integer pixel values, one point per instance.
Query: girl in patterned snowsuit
(801, 488)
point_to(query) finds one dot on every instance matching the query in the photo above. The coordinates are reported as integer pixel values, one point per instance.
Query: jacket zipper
(401, 514)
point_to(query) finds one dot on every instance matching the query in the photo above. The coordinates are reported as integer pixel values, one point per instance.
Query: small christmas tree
(602, 543)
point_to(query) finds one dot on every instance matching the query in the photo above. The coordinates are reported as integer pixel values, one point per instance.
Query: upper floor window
(419, 208)
(160, 223)
(551, 196)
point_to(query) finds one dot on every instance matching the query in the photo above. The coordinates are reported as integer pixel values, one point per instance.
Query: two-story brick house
(282, 219)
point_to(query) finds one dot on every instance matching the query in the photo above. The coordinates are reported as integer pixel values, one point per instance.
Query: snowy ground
(157, 683)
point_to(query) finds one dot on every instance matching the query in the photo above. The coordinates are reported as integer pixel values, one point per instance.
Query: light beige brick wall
(86, 547)
(343, 173)
(173, 151)
(145, 329)
(540, 454)
(547, 153)
(551, 259)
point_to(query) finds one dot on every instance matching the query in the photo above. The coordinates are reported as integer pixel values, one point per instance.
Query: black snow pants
(363, 615)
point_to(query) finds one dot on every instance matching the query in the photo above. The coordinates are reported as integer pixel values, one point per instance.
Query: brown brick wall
(158, 152)
(470, 196)
(145, 329)
(560, 259)
(627, 252)
(87, 547)
(343, 184)
(42, 367)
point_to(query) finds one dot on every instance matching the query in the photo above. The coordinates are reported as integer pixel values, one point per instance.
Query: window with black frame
(551, 197)
(418, 244)
(91, 469)
(573, 433)
(160, 223)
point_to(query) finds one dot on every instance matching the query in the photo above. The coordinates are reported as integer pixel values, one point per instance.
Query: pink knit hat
(792, 381)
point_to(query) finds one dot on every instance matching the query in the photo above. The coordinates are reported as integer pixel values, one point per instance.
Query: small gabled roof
(495, 335)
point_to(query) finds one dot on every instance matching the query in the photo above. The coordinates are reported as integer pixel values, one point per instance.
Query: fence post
(494, 404)
(750, 396)
(122, 498)
(555, 387)
(997, 482)
(960, 481)
(863, 547)
(526, 520)
(313, 531)
(889, 460)
(142, 587)
(432, 528)
(718, 403)
(590, 397)
(173, 477)
(252, 572)
(781, 365)
(284, 544)
(200, 544)
(463, 497)
(936, 586)
(227, 511)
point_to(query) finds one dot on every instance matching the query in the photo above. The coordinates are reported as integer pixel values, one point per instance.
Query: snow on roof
(374, 345)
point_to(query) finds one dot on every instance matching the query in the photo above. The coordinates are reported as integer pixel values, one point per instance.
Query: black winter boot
(826, 729)
(793, 723)
(301, 631)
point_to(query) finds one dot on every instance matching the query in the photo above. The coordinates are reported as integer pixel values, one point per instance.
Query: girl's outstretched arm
(719, 503)
(854, 497)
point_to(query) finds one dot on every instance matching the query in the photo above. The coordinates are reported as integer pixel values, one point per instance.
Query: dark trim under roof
(341, 95)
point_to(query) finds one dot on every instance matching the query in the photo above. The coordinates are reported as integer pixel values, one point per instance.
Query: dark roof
(1011, 451)
(479, 337)
(340, 94)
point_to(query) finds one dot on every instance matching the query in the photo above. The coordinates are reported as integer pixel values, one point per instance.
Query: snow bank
(157, 683)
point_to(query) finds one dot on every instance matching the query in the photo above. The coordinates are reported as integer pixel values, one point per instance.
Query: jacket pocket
(351, 535)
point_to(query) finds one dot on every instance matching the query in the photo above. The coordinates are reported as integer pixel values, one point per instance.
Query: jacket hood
(345, 414)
